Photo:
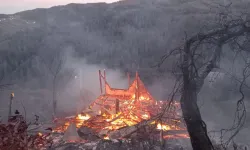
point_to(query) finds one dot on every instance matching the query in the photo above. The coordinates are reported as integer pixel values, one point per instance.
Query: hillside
(128, 32)
(129, 36)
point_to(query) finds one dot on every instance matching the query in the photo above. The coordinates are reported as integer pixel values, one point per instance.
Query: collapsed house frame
(116, 109)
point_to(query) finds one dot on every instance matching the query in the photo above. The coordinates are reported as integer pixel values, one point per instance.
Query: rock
(87, 134)
(85, 131)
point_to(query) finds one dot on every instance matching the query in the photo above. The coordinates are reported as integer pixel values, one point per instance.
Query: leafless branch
(194, 75)
(240, 113)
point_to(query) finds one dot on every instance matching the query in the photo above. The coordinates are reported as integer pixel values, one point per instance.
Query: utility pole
(10, 104)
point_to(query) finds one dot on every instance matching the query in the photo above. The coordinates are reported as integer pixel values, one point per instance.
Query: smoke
(85, 81)
(217, 103)
(162, 89)
(75, 77)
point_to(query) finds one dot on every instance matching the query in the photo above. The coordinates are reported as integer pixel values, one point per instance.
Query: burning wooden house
(116, 109)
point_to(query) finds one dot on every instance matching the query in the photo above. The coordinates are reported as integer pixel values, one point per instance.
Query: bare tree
(55, 65)
(195, 63)
(2, 74)
(240, 112)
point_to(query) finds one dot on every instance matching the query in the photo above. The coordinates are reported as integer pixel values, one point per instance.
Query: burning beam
(124, 110)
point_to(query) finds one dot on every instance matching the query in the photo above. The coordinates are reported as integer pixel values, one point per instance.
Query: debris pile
(126, 113)
(125, 144)
(14, 135)
(118, 118)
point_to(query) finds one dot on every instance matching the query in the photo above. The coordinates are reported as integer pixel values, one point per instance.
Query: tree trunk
(10, 105)
(195, 126)
(54, 98)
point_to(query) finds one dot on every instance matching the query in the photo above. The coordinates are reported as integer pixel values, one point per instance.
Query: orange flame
(118, 108)
(40, 134)
(163, 127)
(106, 138)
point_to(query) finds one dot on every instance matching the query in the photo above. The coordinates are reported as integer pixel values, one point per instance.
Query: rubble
(128, 144)
(124, 119)
(74, 139)
(128, 130)
(122, 113)
(87, 134)
(14, 135)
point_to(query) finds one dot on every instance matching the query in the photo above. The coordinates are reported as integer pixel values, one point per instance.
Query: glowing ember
(83, 117)
(145, 116)
(40, 134)
(176, 136)
(163, 127)
(80, 119)
(106, 138)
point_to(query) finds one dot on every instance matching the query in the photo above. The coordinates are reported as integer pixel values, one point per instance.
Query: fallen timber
(123, 113)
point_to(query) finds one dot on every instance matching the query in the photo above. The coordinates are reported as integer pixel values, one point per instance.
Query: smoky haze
(127, 36)
(82, 75)
(79, 74)
(86, 77)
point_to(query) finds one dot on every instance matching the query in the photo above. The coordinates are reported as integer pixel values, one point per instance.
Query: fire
(83, 117)
(40, 134)
(118, 108)
(163, 127)
(176, 136)
(106, 138)
(145, 116)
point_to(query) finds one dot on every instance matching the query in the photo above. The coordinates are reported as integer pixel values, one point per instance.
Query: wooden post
(161, 134)
(100, 78)
(104, 74)
(10, 104)
(137, 92)
(105, 80)
(161, 138)
(117, 109)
